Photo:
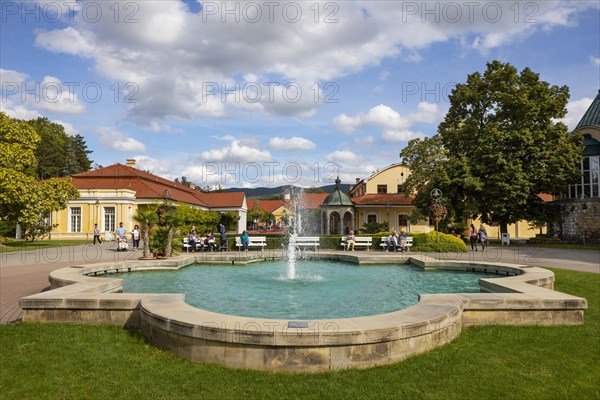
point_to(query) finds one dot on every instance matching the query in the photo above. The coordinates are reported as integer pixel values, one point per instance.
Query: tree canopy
(59, 154)
(22, 198)
(499, 147)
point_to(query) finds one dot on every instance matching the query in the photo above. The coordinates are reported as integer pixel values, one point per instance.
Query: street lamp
(97, 205)
(387, 210)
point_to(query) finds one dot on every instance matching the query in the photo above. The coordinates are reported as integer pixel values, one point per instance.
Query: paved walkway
(26, 272)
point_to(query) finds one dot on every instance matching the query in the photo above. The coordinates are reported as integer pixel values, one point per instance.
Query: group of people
(477, 236)
(206, 241)
(397, 242)
(120, 237)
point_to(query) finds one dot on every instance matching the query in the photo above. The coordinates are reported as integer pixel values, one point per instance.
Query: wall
(390, 177)
(573, 222)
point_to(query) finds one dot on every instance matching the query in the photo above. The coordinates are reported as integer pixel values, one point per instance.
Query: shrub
(438, 242)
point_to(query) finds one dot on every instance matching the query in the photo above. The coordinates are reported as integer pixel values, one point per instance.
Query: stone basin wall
(524, 296)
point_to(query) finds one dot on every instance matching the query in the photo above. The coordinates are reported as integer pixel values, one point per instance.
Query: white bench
(307, 241)
(253, 241)
(186, 244)
(359, 241)
(199, 244)
(409, 243)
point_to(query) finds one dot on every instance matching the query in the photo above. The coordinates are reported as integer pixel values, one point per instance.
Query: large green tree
(23, 199)
(59, 154)
(499, 147)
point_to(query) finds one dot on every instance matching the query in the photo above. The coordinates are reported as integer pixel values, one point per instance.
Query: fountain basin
(523, 298)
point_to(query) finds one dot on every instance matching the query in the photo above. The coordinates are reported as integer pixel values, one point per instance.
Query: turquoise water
(320, 290)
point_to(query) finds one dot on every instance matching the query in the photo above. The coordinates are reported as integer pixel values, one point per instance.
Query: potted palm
(147, 218)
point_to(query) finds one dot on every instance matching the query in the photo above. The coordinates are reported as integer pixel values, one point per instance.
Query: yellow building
(113, 194)
(381, 198)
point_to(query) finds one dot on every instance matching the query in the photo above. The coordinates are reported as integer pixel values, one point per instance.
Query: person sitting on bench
(392, 241)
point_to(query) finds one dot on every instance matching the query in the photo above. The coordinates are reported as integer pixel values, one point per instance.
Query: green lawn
(38, 244)
(104, 362)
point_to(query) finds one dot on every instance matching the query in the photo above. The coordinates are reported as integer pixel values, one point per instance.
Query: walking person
(97, 235)
(482, 234)
(473, 237)
(135, 237)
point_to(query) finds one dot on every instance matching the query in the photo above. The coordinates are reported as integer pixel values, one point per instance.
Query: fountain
(291, 258)
(295, 229)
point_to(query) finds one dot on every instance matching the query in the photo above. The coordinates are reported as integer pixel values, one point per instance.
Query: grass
(21, 245)
(101, 362)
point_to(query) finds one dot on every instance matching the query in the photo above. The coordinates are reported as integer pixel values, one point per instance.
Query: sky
(269, 93)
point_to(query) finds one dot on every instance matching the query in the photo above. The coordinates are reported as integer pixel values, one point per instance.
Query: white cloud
(67, 41)
(19, 112)
(291, 144)
(575, 110)
(8, 76)
(394, 126)
(400, 136)
(69, 128)
(342, 157)
(20, 95)
(346, 124)
(119, 141)
(171, 52)
(236, 151)
(168, 168)
(595, 60)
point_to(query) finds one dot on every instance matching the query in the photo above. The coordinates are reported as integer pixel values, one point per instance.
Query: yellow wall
(390, 215)
(125, 208)
(391, 176)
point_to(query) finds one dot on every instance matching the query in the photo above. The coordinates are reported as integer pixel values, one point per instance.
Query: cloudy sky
(268, 93)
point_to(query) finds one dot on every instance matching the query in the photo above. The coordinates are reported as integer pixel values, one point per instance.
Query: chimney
(192, 186)
(131, 162)
(357, 180)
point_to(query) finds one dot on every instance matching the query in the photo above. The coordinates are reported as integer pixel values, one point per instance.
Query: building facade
(579, 207)
(113, 194)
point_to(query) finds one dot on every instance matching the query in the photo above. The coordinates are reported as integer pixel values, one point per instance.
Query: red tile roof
(313, 200)
(308, 201)
(382, 200)
(267, 205)
(149, 186)
(546, 197)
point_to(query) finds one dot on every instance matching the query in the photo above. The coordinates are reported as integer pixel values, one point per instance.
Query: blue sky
(270, 93)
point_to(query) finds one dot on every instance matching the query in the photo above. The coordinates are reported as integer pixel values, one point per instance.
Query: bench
(359, 241)
(186, 244)
(253, 241)
(409, 243)
(200, 244)
(307, 241)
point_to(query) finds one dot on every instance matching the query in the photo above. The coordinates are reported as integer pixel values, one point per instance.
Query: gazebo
(337, 212)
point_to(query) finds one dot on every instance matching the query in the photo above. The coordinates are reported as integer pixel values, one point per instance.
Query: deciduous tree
(499, 147)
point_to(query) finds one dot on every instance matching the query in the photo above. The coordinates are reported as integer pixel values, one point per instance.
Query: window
(588, 185)
(381, 189)
(75, 219)
(371, 218)
(400, 189)
(402, 221)
(110, 218)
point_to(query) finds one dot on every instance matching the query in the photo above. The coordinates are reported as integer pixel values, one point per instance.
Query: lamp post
(436, 196)
(97, 205)
(387, 210)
